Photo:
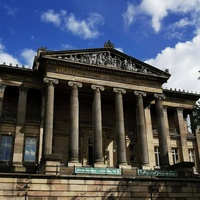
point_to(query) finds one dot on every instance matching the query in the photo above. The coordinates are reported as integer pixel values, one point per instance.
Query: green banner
(142, 172)
(98, 170)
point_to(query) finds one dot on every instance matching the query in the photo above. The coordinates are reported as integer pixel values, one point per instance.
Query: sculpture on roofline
(108, 44)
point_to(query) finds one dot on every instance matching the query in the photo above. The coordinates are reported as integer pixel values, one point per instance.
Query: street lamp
(153, 189)
(26, 188)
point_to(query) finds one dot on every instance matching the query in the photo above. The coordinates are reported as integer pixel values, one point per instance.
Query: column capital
(50, 80)
(159, 96)
(98, 87)
(75, 84)
(180, 110)
(148, 107)
(119, 90)
(22, 89)
(2, 88)
(165, 108)
(140, 93)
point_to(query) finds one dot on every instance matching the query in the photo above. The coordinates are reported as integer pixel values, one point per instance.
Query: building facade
(96, 108)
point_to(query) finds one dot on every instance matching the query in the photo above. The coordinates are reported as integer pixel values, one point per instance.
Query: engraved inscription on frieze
(105, 58)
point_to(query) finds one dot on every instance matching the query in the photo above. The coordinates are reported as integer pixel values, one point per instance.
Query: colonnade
(97, 125)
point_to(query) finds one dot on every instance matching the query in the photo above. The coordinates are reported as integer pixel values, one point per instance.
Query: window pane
(157, 155)
(6, 147)
(30, 149)
(175, 155)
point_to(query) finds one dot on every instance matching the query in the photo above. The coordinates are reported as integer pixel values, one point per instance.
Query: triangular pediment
(107, 58)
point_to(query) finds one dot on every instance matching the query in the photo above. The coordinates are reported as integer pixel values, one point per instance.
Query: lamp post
(153, 189)
(26, 188)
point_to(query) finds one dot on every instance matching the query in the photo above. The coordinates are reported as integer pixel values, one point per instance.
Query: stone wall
(76, 187)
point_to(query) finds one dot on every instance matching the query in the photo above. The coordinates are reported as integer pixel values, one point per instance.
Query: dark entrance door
(90, 155)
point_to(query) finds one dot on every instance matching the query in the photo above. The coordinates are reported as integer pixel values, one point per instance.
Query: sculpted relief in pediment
(106, 59)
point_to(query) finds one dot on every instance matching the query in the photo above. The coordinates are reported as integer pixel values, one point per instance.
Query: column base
(99, 165)
(18, 167)
(124, 166)
(72, 164)
(145, 166)
(50, 164)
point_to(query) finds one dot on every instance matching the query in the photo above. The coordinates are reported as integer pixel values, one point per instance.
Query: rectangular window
(6, 144)
(192, 157)
(30, 149)
(132, 158)
(175, 156)
(157, 155)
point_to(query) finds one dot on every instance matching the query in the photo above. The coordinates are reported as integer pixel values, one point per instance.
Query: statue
(108, 44)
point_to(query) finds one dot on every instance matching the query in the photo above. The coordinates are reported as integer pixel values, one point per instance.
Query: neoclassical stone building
(92, 108)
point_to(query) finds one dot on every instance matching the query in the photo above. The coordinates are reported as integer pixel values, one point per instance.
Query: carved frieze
(105, 58)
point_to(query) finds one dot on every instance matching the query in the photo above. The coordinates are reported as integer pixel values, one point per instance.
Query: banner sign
(98, 170)
(142, 172)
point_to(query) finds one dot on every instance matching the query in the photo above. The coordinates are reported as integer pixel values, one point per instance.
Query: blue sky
(163, 33)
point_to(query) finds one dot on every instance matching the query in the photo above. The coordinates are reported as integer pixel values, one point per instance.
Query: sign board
(162, 173)
(98, 170)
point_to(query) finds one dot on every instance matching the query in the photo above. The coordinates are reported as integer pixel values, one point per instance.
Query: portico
(95, 108)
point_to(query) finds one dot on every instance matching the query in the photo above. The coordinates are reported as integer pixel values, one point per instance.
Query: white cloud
(7, 58)
(11, 10)
(27, 55)
(183, 23)
(67, 46)
(119, 49)
(84, 28)
(51, 16)
(129, 14)
(183, 62)
(159, 9)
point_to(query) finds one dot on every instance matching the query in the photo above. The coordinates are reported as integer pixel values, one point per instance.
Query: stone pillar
(74, 124)
(20, 130)
(49, 111)
(2, 89)
(141, 130)
(97, 125)
(184, 156)
(120, 132)
(162, 136)
(198, 148)
(150, 138)
(168, 134)
(42, 110)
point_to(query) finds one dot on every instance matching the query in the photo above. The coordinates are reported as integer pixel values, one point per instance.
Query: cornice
(17, 70)
(181, 93)
(105, 70)
(107, 49)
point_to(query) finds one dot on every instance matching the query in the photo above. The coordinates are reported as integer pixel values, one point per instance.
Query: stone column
(42, 111)
(150, 139)
(167, 134)
(20, 130)
(97, 125)
(49, 111)
(162, 136)
(74, 124)
(184, 156)
(198, 148)
(141, 129)
(120, 132)
(2, 89)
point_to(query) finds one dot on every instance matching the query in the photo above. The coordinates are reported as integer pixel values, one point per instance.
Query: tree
(196, 117)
